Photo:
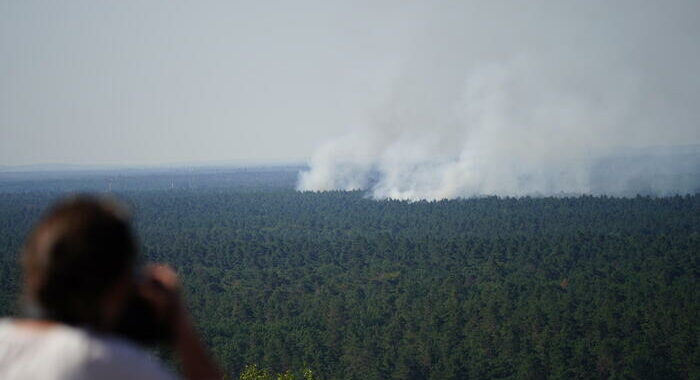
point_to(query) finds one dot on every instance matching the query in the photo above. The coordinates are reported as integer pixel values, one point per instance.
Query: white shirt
(62, 352)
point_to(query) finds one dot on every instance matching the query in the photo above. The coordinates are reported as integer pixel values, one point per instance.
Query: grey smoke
(531, 98)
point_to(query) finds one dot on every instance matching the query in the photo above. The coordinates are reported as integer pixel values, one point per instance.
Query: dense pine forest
(353, 288)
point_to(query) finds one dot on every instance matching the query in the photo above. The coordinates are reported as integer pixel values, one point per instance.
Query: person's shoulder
(65, 352)
(111, 357)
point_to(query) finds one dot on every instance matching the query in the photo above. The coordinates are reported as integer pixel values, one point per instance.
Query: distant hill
(649, 171)
(138, 179)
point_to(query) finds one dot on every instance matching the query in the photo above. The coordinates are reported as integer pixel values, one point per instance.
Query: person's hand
(161, 287)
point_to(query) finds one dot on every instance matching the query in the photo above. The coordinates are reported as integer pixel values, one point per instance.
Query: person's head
(77, 262)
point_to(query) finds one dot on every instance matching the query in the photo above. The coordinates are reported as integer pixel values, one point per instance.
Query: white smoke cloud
(464, 121)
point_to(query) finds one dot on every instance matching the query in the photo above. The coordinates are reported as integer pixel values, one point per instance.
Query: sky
(148, 83)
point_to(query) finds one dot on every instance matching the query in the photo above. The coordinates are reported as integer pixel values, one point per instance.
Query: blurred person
(88, 302)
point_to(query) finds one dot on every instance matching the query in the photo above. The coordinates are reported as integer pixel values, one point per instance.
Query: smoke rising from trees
(543, 99)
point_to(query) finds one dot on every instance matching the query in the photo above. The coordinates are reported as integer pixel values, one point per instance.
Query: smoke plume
(553, 99)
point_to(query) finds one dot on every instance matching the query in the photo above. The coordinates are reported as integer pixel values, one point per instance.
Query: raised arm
(162, 287)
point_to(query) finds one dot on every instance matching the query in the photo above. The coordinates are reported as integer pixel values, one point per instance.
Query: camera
(140, 322)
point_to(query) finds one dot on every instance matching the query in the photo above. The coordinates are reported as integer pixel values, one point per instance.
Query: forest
(353, 288)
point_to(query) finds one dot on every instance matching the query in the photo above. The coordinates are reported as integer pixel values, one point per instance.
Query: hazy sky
(147, 82)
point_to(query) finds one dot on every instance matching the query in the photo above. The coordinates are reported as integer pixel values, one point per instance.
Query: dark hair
(76, 253)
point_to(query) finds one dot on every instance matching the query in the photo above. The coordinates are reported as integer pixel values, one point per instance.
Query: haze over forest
(419, 100)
